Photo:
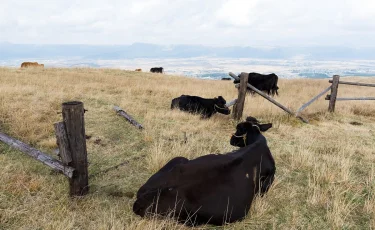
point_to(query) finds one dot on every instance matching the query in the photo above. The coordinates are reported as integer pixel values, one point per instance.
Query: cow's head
(248, 131)
(220, 107)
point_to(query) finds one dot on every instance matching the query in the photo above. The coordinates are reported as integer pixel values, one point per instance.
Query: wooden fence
(238, 108)
(71, 140)
(334, 90)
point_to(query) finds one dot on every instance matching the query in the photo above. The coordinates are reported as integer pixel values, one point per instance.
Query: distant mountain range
(144, 50)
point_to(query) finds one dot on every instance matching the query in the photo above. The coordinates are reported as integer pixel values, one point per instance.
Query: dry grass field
(325, 177)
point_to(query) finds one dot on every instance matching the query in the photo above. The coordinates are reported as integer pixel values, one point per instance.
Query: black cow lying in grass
(206, 107)
(212, 189)
(263, 82)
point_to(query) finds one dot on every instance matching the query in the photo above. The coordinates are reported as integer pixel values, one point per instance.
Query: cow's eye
(170, 189)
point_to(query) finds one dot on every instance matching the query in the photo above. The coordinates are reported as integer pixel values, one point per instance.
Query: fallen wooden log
(128, 117)
(269, 98)
(37, 155)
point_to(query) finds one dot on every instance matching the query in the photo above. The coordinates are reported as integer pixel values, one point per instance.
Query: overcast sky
(207, 22)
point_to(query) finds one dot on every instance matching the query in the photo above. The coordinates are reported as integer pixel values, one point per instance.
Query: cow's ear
(265, 127)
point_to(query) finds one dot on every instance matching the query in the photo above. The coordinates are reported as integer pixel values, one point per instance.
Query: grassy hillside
(325, 175)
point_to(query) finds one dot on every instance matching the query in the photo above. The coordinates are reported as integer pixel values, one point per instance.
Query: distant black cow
(263, 82)
(206, 107)
(156, 70)
(212, 189)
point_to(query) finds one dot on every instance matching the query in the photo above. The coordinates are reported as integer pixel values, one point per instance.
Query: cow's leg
(266, 182)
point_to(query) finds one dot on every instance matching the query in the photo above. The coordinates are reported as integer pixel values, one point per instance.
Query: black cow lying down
(263, 82)
(206, 107)
(212, 189)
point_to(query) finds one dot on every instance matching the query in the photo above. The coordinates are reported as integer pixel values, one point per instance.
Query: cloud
(209, 22)
(237, 12)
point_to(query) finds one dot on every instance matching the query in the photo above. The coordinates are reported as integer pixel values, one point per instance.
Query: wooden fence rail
(354, 83)
(37, 155)
(312, 100)
(231, 103)
(355, 98)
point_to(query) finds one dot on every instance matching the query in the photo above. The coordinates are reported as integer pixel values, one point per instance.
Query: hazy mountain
(143, 50)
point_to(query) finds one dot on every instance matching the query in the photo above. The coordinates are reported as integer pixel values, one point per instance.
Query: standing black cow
(212, 189)
(195, 104)
(156, 70)
(263, 82)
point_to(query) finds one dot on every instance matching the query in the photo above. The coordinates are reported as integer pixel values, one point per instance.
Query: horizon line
(185, 44)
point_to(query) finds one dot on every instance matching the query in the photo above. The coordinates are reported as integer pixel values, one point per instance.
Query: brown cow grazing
(138, 70)
(31, 64)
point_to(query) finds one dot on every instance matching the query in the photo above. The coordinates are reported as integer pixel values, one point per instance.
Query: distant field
(325, 176)
(216, 67)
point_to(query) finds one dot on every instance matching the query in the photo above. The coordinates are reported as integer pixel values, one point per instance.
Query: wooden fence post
(73, 116)
(238, 107)
(334, 87)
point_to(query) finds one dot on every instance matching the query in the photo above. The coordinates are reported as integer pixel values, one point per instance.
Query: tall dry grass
(325, 170)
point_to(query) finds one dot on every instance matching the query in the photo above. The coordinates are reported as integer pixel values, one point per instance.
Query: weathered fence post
(332, 98)
(73, 116)
(238, 107)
